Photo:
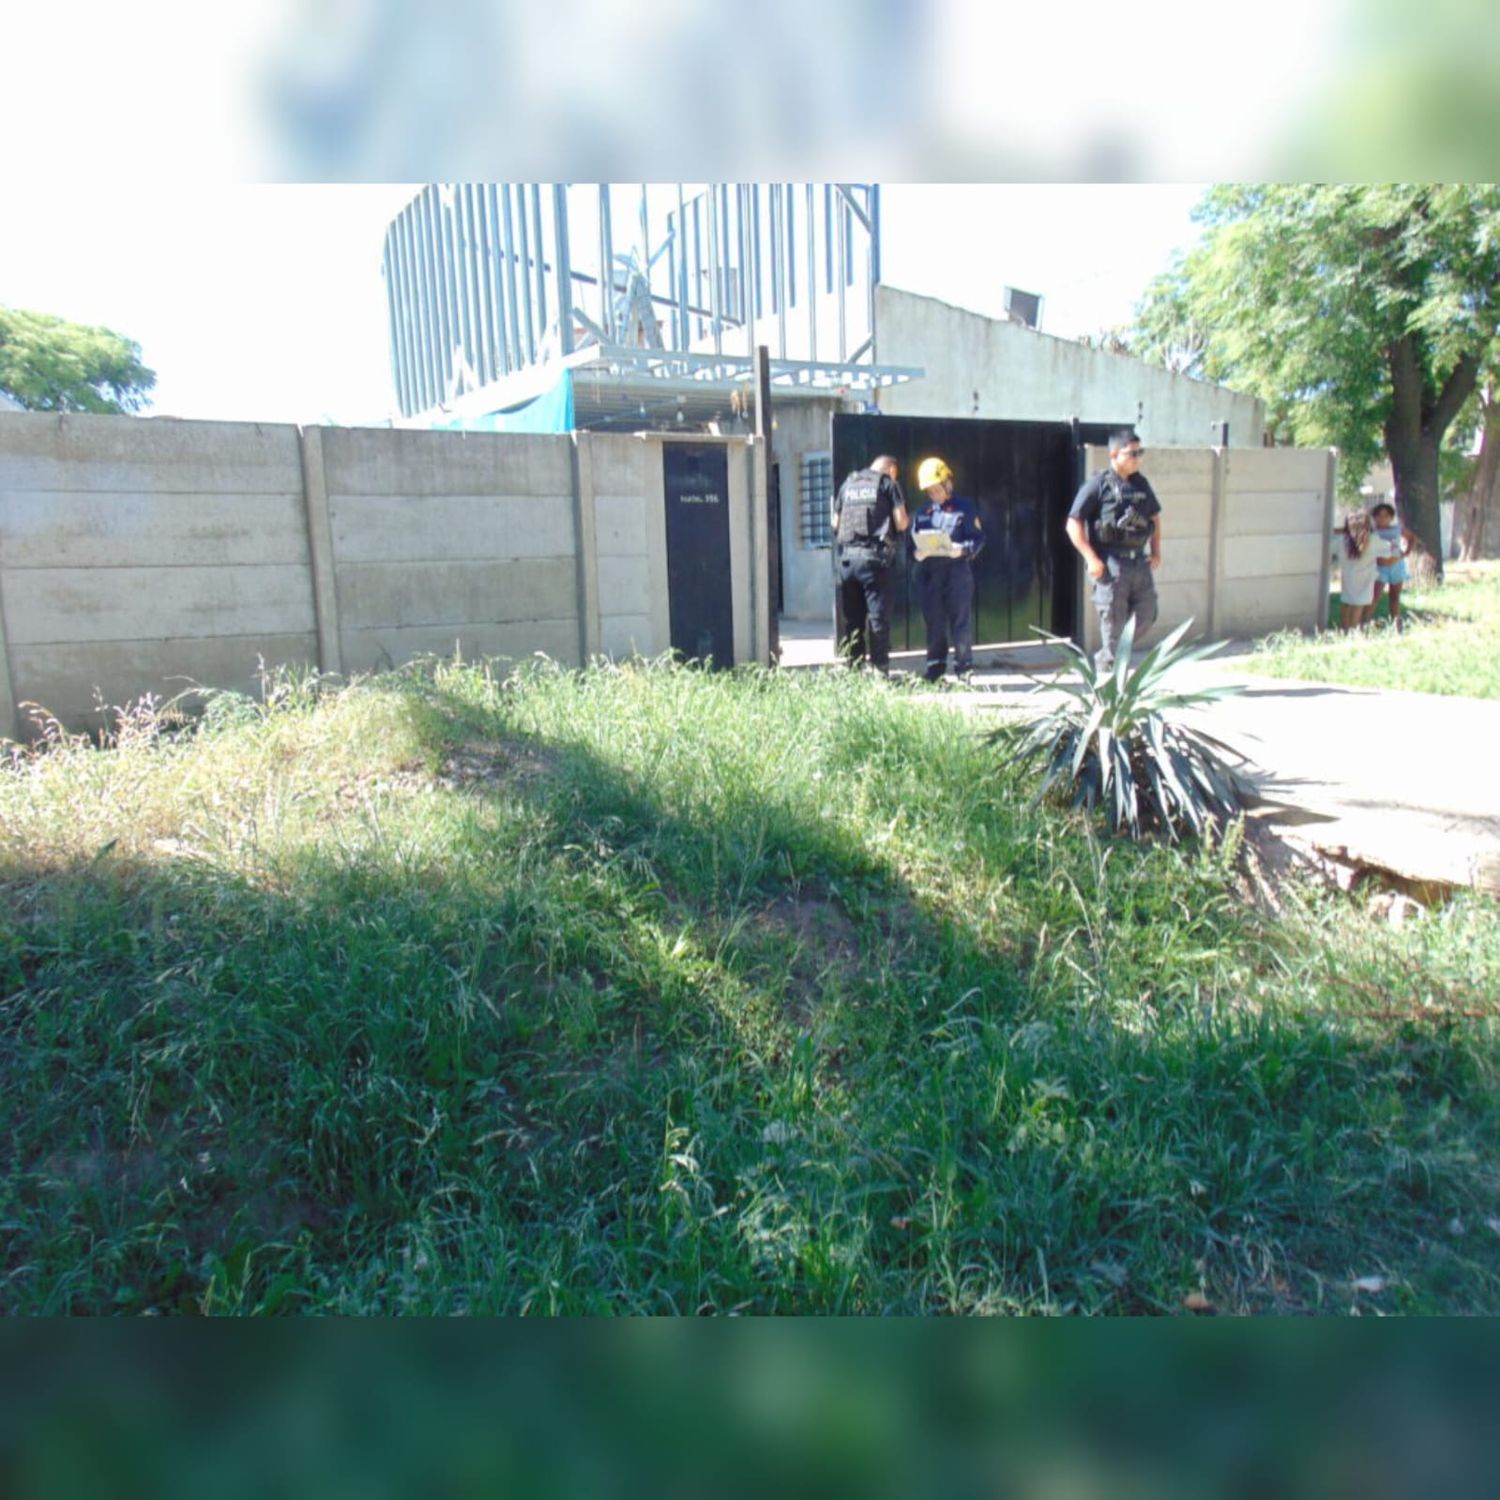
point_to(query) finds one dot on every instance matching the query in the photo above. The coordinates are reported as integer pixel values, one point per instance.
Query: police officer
(1115, 524)
(953, 538)
(867, 513)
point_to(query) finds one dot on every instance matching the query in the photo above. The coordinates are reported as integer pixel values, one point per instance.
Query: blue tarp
(552, 411)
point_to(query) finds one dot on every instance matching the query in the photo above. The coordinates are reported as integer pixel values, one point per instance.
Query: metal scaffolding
(489, 303)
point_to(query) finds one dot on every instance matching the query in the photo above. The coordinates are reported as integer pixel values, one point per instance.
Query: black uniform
(1120, 516)
(866, 550)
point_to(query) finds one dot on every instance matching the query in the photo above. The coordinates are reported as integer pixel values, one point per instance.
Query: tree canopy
(50, 364)
(1362, 316)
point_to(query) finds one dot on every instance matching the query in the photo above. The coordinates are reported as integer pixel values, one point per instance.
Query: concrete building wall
(802, 428)
(987, 367)
(1244, 539)
(146, 556)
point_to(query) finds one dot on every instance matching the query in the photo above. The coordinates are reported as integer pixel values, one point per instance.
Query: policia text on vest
(868, 512)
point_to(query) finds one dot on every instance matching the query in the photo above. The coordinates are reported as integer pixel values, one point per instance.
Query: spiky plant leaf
(1114, 741)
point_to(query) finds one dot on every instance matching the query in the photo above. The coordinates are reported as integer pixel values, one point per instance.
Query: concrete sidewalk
(1405, 782)
(1396, 781)
(1402, 782)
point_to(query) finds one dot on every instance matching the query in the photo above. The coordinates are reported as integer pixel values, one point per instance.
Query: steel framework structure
(488, 301)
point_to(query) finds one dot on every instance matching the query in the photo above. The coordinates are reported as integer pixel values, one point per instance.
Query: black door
(1021, 476)
(698, 586)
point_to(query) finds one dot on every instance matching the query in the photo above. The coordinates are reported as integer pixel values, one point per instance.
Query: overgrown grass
(646, 990)
(1451, 645)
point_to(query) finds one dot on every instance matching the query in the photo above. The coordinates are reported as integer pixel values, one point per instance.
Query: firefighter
(946, 537)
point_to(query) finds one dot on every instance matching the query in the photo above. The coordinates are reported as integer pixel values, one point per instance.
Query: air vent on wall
(1023, 307)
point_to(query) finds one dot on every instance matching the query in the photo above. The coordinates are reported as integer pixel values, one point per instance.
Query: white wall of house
(988, 367)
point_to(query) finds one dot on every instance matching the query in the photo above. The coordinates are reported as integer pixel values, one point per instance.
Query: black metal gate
(1022, 477)
(699, 595)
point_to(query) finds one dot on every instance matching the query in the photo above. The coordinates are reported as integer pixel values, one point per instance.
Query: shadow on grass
(583, 1050)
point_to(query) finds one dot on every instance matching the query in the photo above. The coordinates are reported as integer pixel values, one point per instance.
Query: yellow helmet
(932, 471)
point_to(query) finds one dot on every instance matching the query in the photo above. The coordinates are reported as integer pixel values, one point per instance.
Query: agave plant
(1113, 742)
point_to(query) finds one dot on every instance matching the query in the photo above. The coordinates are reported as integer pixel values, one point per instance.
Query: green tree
(1476, 516)
(49, 364)
(1362, 315)
(1165, 331)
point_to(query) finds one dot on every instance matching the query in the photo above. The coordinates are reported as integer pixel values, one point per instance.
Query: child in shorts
(1393, 541)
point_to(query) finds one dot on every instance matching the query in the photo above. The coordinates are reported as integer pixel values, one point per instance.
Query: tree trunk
(1415, 466)
(1420, 415)
(1475, 514)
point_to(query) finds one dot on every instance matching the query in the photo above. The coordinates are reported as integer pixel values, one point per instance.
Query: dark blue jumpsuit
(948, 584)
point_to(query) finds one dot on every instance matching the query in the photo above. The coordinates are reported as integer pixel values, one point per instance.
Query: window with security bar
(815, 528)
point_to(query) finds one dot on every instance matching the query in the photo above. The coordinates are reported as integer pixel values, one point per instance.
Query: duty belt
(1130, 554)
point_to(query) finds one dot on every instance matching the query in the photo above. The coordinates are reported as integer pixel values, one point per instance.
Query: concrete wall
(802, 427)
(148, 555)
(142, 556)
(987, 367)
(1244, 539)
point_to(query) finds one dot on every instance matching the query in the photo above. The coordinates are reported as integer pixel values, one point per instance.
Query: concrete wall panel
(142, 604)
(46, 528)
(382, 647)
(624, 586)
(1175, 470)
(1184, 516)
(620, 525)
(630, 635)
(1253, 606)
(1183, 558)
(50, 451)
(1271, 513)
(619, 463)
(1187, 599)
(1276, 469)
(433, 528)
(451, 593)
(374, 461)
(64, 678)
(1273, 556)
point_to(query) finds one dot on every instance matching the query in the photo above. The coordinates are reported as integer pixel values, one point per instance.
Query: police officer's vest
(864, 511)
(1121, 522)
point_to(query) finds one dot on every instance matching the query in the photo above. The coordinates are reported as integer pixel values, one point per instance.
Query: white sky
(265, 302)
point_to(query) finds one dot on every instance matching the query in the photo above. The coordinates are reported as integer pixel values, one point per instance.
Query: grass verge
(1451, 644)
(648, 990)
